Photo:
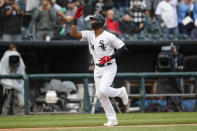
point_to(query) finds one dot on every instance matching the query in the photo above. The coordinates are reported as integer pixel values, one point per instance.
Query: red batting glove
(79, 12)
(104, 59)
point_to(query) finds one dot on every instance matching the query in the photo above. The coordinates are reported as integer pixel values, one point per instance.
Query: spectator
(21, 4)
(69, 17)
(137, 8)
(45, 18)
(12, 21)
(55, 5)
(167, 15)
(126, 25)
(185, 18)
(60, 28)
(61, 3)
(195, 10)
(59, 10)
(88, 10)
(30, 8)
(109, 4)
(151, 6)
(121, 3)
(84, 22)
(78, 3)
(12, 64)
(194, 32)
(112, 25)
(99, 6)
(1, 19)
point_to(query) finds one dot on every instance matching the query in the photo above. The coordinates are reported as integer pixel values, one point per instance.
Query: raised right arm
(74, 32)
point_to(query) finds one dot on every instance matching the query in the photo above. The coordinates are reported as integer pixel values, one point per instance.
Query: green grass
(175, 128)
(70, 120)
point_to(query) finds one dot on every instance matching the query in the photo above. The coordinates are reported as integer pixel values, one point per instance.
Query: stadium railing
(87, 76)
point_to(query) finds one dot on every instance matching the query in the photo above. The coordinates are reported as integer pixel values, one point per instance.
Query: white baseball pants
(103, 77)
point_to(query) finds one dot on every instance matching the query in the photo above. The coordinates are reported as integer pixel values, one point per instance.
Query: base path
(59, 128)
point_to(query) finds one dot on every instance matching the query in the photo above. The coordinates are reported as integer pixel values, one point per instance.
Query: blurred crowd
(45, 20)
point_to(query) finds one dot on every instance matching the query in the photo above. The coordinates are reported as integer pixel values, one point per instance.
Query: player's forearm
(74, 28)
(119, 52)
(74, 32)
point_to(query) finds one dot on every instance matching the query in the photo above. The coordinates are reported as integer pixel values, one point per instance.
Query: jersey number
(92, 46)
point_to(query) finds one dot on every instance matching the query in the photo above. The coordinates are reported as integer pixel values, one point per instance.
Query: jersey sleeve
(85, 34)
(116, 42)
(158, 9)
(174, 2)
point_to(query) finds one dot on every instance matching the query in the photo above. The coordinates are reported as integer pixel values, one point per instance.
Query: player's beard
(95, 25)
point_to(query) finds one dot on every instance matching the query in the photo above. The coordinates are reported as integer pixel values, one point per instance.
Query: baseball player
(101, 46)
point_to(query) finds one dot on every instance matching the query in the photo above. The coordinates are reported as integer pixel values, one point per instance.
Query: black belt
(101, 65)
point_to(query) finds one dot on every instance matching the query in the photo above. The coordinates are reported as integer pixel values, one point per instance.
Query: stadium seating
(140, 36)
(154, 37)
(183, 37)
(125, 37)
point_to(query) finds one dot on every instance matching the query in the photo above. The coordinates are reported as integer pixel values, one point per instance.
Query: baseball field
(182, 121)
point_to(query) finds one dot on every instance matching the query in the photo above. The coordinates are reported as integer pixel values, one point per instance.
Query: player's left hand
(104, 59)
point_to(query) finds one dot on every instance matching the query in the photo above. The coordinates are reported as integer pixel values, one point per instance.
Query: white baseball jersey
(102, 45)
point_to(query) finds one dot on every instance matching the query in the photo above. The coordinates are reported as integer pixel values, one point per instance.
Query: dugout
(72, 56)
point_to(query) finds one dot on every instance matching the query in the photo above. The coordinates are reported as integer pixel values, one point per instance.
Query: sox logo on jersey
(102, 45)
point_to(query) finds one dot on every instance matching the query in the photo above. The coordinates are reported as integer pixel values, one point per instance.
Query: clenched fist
(104, 59)
(79, 12)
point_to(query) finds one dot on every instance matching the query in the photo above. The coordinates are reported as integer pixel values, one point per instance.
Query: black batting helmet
(100, 21)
